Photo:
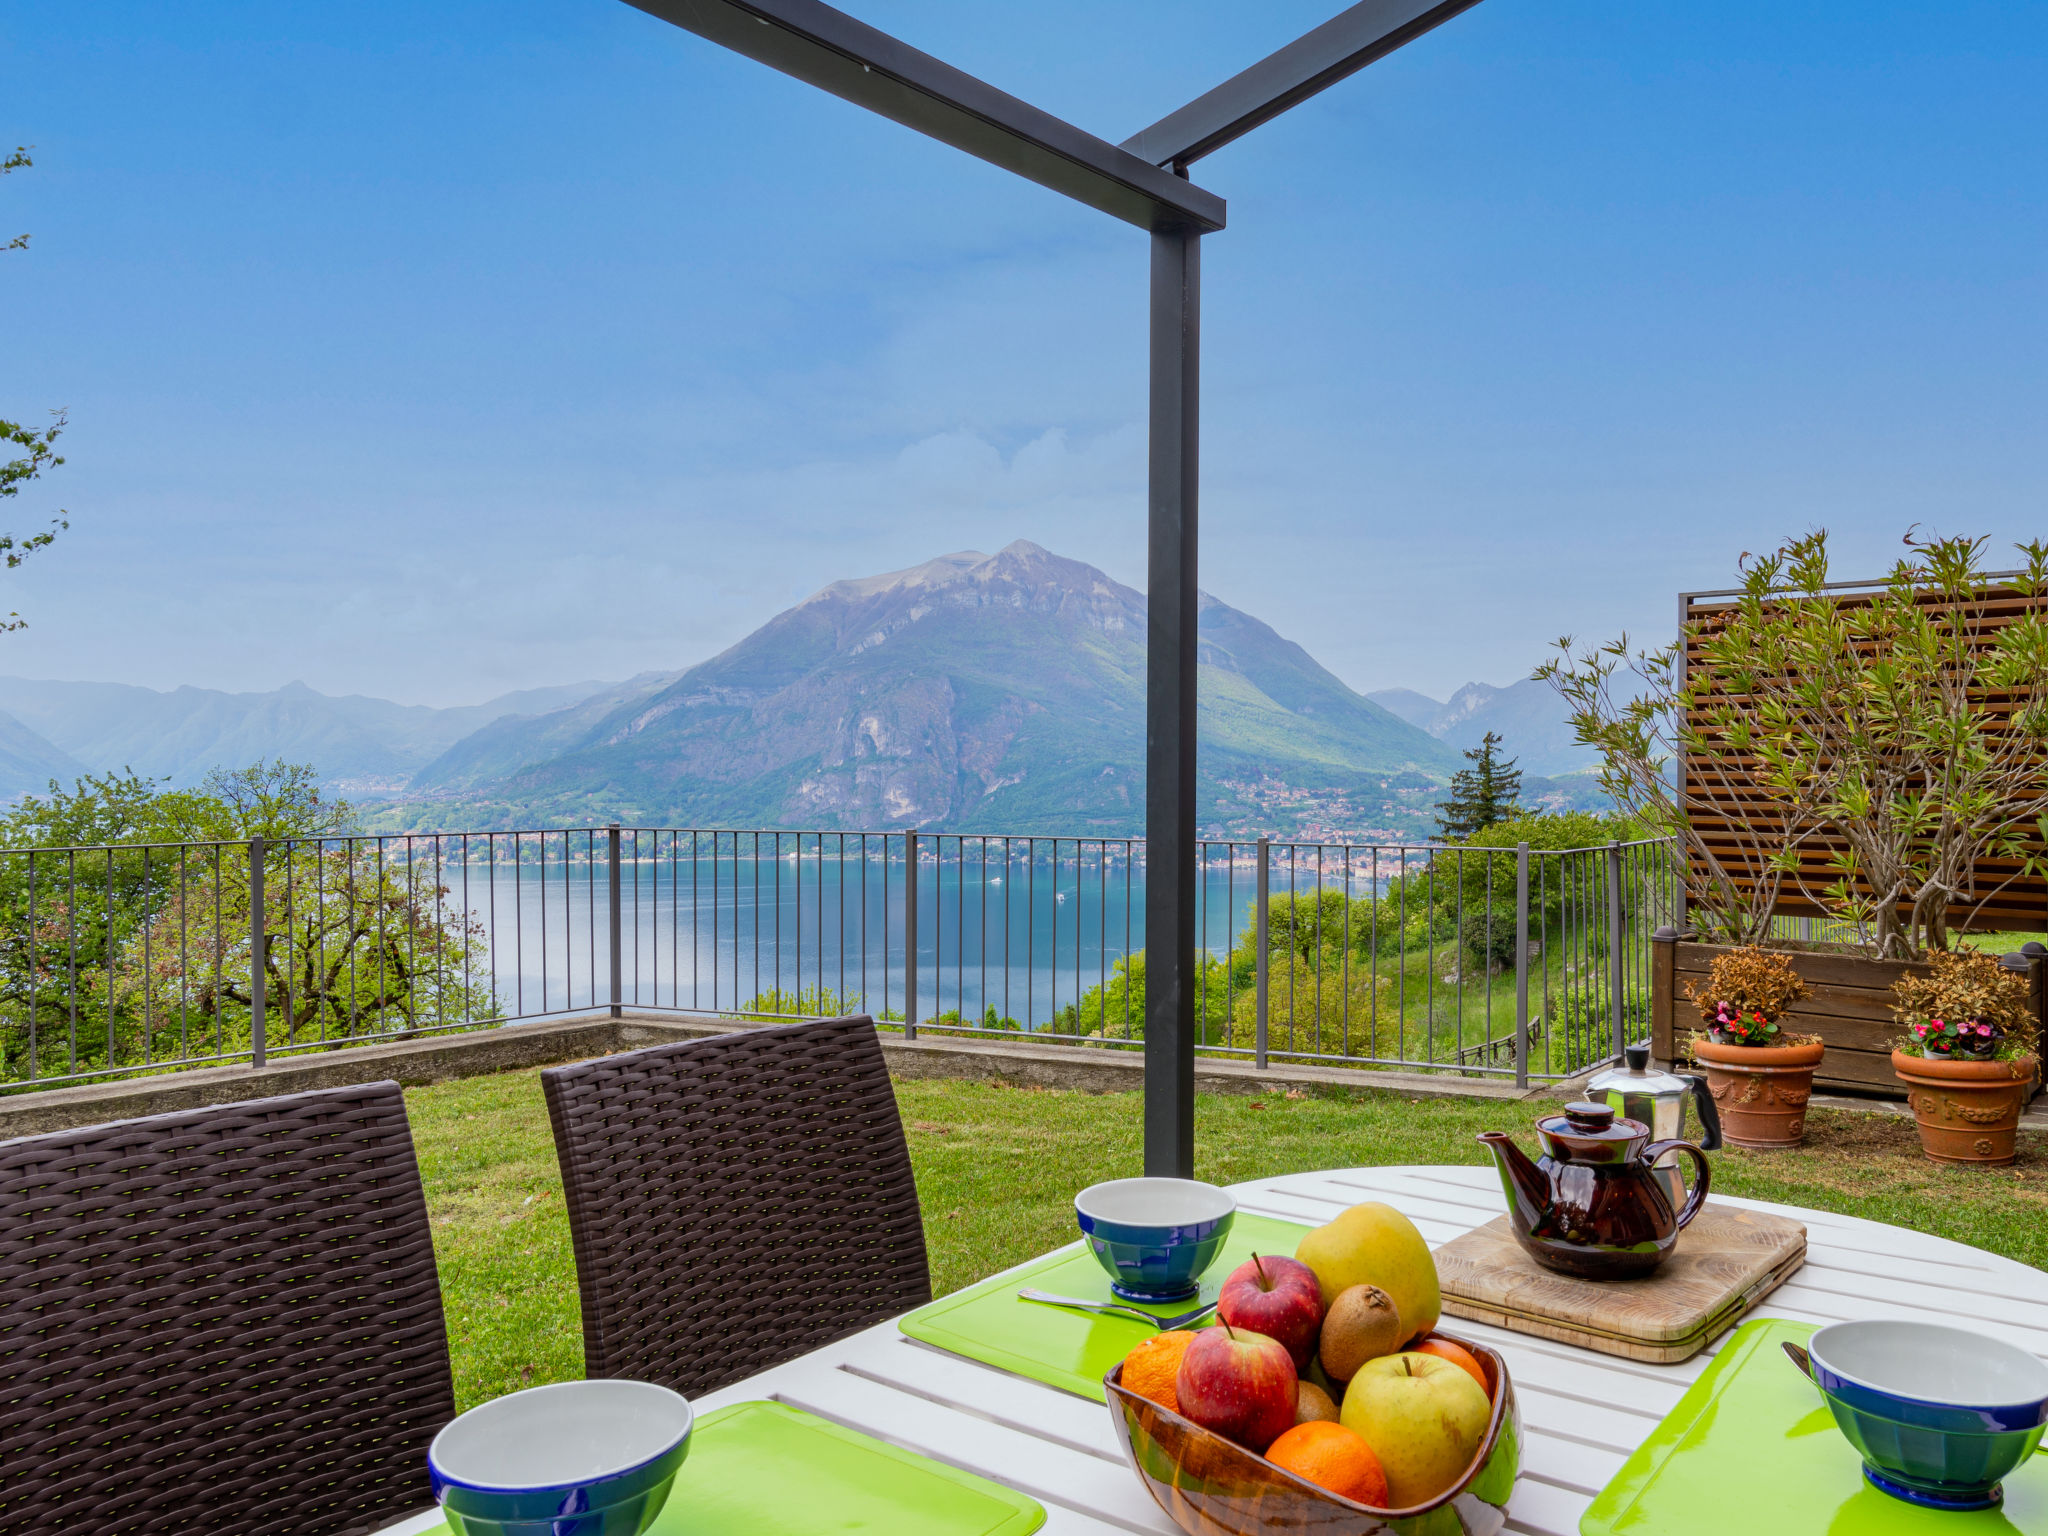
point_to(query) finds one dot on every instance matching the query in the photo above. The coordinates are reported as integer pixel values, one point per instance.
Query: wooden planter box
(1850, 1008)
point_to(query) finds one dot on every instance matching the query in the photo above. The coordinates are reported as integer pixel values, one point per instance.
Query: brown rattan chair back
(735, 1200)
(223, 1320)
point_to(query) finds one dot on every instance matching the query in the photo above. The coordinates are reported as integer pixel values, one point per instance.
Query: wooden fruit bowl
(1210, 1486)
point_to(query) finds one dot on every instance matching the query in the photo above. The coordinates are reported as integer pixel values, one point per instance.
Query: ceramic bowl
(1209, 1486)
(1938, 1414)
(578, 1458)
(1155, 1237)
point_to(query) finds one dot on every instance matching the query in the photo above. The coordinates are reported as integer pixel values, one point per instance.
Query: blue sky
(433, 350)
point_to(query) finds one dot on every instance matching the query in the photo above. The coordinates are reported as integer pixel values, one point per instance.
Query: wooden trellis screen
(2021, 904)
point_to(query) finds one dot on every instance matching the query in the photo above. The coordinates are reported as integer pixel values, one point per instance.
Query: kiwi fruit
(1311, 1402)
(1362, 1324)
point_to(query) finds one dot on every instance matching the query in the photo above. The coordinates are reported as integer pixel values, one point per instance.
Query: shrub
(1488, 938)
(1584, 1006)
(802, 1003)
(1107, 1012)
(990, 1019)
(1963, 988)
(1321, 1011)
(1747, 991)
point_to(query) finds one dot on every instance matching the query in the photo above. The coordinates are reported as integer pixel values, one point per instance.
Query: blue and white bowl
(1155, 1237)
(1938, 1414)
(578, 1458)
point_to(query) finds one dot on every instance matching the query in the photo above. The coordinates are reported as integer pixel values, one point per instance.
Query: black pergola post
(1173, 610)
(1144, 182)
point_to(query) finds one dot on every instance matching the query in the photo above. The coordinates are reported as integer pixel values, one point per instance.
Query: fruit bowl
(1210, 1486)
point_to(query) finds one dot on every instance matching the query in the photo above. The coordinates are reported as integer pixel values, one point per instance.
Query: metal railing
(1517, 962)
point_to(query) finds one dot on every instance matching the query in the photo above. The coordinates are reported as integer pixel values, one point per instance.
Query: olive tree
(1893, 733)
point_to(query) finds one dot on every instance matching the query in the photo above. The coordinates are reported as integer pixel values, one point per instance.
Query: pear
(1374, 1244)
(1363, 1324)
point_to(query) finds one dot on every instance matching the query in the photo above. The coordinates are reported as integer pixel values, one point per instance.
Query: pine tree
(1481, 796)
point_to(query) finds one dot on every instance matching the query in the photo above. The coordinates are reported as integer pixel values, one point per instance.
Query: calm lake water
(1026, 935)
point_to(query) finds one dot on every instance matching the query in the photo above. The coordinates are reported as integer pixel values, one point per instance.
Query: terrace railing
(1520, 962)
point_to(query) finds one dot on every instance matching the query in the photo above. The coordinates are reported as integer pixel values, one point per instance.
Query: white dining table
(1582, 1412)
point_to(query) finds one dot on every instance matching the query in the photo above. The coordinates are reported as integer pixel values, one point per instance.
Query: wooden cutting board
(1726, 1261)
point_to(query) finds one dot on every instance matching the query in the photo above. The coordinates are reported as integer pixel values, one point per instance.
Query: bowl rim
(1904, 1397)
(1503, 1407)
(1085, 1216)
(445, 1476)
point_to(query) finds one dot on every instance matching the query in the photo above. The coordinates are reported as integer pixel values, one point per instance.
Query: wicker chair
(735, 1200)
(222, 1320)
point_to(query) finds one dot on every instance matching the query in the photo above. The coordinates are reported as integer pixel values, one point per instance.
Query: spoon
(1117, 1309)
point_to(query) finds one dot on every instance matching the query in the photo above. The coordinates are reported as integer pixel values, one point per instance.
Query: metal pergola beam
(832, 51)
(1314, 62)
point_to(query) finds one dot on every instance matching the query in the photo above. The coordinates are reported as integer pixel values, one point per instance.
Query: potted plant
(1969, 1055)
(1761, 1075)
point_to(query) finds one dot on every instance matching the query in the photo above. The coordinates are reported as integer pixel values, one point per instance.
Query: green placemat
(1071, 1350)
(765, 1469)
(1751, 1447)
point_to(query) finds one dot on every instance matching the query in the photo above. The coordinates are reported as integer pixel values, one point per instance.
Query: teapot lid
(1592, 1133)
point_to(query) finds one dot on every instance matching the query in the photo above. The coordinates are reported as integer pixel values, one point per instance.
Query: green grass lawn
(996, 1168)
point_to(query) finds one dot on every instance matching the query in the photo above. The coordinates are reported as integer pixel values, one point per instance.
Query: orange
(1150, 1369)
(1332, 1457)
(1457, 1354)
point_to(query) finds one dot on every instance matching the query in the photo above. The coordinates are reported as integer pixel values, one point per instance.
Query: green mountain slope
(974, 692)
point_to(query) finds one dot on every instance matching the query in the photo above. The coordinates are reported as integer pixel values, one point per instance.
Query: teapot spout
(1524, 1184)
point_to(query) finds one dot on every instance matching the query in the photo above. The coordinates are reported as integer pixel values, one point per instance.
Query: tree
(127, 921)
(276, 800)
(1894, 729)
(1482, 795)
(39, 453)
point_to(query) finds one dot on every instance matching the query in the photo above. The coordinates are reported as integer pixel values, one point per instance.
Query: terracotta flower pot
(1968, 1111)
(1760, 1090)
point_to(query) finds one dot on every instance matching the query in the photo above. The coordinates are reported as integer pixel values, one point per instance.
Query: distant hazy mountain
(516, 741)
(1001, 692)
(28, 762)
(356, 743)
(1418, 709)
(1528, 716)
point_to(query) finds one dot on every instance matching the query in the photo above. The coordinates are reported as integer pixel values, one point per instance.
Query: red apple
(1277, 1297)
(1239, 1384)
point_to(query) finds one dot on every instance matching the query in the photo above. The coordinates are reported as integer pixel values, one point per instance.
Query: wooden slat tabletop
(1583, 1412)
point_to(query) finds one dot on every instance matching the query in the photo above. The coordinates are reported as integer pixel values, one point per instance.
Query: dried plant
(1747, 992)
(1966, 1004)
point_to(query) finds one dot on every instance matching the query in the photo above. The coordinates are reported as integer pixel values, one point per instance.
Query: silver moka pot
(1639, 1091)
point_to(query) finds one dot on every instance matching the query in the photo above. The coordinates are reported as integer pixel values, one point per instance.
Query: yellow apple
(1374, 1244)
(1423, 1416)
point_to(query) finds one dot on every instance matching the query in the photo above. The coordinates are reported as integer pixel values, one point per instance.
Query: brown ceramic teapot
(1594, 1206)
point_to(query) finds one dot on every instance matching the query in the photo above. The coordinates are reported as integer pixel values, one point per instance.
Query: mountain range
(1526, 715)
(980, 692)
(360, 745)
(974, 692)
